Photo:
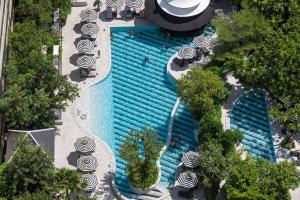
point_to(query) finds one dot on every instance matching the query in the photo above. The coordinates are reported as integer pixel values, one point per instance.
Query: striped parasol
(86, 62)
(191, 159)
(85, 46)
(201, 41)
(188, 179)
(85, 145)
(87, 163)
(187, 53)
(90, 29)
(134, 4)
(88, 15)
(114, 3)
(90, 180)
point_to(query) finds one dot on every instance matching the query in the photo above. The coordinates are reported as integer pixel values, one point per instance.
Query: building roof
(170, 22)
(183, 8)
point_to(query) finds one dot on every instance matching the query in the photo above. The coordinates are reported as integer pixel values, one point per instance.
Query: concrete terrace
(73, 126)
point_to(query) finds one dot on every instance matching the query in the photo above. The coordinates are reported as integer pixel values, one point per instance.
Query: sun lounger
(79, 3)
(109, 13)
(127, 12)
(179, 62)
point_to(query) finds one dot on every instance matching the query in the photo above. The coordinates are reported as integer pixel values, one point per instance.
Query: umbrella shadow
(75, 76)
(102, 16)
(72, 158)
(73, 59)
(77, 28)
(104, 189)
(77, 40)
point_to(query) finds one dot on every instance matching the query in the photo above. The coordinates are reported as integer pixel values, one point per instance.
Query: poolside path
(73, 126)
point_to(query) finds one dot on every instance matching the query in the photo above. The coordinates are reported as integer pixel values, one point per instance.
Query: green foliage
(259, 42)
(259, 179)
(240, 32)
(67, 181)
(287, 143)
(34, 196)
(141, 150)
(211, 128)
(65, 8)
(277, 11)
(213, 167)
(201, 90)
(31, 74)
(30, 169)
(40, 89)
(26, 38)
(31, 175)
(39, 11)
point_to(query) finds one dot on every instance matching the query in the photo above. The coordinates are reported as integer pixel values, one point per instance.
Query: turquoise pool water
(250, 115)
(137, 94)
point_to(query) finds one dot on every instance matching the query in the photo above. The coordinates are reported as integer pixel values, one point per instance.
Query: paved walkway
(74, 124)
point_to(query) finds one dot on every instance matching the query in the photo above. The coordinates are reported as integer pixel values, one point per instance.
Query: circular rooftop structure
(181, 21)
(183, 8)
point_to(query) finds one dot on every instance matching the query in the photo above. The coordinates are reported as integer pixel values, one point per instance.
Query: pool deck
(73, 126)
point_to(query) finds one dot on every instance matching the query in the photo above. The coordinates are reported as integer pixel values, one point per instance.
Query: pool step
(250, 116)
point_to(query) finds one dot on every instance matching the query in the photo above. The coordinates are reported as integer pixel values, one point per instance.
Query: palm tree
(68, 181)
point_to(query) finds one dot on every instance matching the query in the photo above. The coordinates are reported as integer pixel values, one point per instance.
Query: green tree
(263, 46)
(38, 10)
(282, 53)
(201, 90)
(213, 167)
(277, 11)
(259, 179)
(25, 38)
(40, 89)
(211, 128)
(30, 169)
(67, 181)
(239, 33)
(141, 151)
(34, 196)
(65, 8)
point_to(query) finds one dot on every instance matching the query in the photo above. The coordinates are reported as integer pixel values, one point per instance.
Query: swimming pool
(137, 94)
(250, 115)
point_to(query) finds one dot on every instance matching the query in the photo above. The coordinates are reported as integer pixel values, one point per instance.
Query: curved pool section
(137, 94)
(250, 115)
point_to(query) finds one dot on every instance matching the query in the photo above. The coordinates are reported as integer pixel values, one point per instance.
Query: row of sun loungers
(127, 13)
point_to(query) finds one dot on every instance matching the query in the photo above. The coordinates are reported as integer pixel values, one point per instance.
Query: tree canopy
(141, 151)
(34, 87)
(263, 52)
(201, 90)
(30, 169)
(259, 179)
(30, 175)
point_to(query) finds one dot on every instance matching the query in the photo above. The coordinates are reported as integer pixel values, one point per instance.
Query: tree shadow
(75, 76)
(72, 158)
(105, 190)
